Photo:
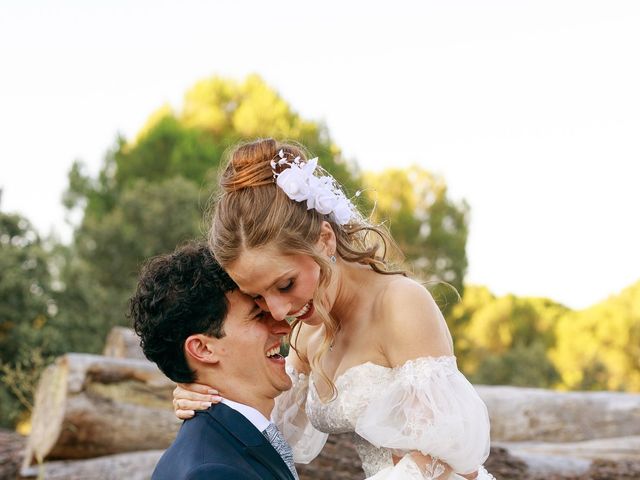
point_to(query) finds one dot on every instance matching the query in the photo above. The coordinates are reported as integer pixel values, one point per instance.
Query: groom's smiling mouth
(273, 353)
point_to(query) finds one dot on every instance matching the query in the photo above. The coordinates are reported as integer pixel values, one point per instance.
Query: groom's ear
(201, 348)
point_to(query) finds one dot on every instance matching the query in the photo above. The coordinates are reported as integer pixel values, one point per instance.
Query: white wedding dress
(425, 405)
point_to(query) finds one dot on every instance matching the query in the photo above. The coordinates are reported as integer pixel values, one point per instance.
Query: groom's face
(248, 354)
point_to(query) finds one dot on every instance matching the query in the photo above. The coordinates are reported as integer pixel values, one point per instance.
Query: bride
(371, 353)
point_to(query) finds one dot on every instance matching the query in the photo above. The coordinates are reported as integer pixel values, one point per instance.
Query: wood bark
(130, 466)
(11, 452)
(90, 405)
(123, 342)
(531, 414)
(613, 449)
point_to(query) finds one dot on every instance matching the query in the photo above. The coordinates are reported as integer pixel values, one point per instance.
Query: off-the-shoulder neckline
(438, 359)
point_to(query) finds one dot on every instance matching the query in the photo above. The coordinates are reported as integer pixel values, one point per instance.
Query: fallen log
(122, 342)
(611, 449)
(532, 414)
(11, 451)
(89, 405)
(132, 466)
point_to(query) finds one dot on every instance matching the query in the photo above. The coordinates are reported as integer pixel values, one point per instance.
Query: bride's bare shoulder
(409, 322)
(396, 288)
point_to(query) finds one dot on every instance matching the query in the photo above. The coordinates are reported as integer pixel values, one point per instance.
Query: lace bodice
(356, 387)
(424, 405)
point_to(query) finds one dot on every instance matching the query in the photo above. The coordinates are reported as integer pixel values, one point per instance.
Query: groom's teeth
(273, 351)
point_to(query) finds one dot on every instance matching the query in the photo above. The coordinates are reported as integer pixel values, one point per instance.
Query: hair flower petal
(304, 181)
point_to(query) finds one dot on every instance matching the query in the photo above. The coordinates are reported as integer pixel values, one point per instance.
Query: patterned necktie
(282, 447)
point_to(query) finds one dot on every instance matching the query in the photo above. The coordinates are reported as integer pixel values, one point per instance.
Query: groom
(196, 326)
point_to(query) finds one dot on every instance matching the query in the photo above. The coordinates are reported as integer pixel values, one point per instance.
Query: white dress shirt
(257, 419)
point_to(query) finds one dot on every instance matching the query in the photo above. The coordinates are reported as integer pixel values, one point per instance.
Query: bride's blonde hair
(252, 211)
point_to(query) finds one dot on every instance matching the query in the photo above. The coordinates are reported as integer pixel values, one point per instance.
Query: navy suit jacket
(220, 444)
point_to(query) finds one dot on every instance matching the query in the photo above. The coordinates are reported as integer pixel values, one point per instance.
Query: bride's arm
(410, 326)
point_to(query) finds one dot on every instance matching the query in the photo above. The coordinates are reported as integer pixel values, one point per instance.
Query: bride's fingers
(185, 414)
(185, 404)
(210, 395)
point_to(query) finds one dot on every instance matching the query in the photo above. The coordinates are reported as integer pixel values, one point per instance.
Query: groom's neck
(239, 392)
(265, 406)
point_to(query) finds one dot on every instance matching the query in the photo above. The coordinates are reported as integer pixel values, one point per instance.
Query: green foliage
(148, 218)
(520, 366)
(505, 340)
(599, 348)
(168, 149)
(18, 383)
(429, 227)
(26, 304)
(27, 313)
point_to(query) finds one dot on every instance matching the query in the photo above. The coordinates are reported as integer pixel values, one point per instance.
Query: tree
(217, 113)
(148, 219)
(26, 304)
(599, 348)
(506, 340)
(27, 314)
(430, 228)
(460, 315)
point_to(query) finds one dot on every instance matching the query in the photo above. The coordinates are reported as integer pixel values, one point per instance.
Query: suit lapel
(269, 457)
(256, 444)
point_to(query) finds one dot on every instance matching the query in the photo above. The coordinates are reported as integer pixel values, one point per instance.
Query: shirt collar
(256, 418)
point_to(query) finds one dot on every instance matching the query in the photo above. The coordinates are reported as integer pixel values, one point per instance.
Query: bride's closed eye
(288, 286)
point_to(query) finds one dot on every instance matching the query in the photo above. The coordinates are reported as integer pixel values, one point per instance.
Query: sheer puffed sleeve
(432, 408)
(290, 417)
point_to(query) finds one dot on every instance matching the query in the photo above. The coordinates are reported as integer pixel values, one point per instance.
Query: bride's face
(283, 285)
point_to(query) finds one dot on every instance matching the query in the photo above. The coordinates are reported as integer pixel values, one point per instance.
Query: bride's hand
(188, 397)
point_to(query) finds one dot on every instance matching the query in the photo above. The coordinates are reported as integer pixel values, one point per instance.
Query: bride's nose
(278, 307)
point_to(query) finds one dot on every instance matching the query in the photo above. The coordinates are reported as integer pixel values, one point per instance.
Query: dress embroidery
(360, 387)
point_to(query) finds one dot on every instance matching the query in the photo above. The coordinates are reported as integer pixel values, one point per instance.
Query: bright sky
(529, 109)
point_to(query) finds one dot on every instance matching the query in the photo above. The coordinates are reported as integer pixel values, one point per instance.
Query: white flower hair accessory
(305, 181)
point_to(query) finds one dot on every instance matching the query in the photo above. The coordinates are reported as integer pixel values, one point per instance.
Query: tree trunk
(132, 466)
(123, 342)
(88, 406)
(11, 451)
(532, 414)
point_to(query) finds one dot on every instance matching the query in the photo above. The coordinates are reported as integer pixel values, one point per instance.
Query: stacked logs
(110, 417)
(101, 416)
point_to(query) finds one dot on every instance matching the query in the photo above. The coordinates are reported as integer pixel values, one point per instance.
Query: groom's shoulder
(217, 471)
(207, 430)
(204, 448)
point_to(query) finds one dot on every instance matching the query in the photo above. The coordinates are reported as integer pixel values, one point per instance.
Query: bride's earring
(333, 259)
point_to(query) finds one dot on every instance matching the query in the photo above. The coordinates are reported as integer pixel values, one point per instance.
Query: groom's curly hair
(178, 295)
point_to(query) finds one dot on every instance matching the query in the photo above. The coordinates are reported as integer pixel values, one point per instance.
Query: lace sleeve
(290, 417)
(430, 407)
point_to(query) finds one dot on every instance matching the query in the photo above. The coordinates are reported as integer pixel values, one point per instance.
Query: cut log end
(89, 406)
